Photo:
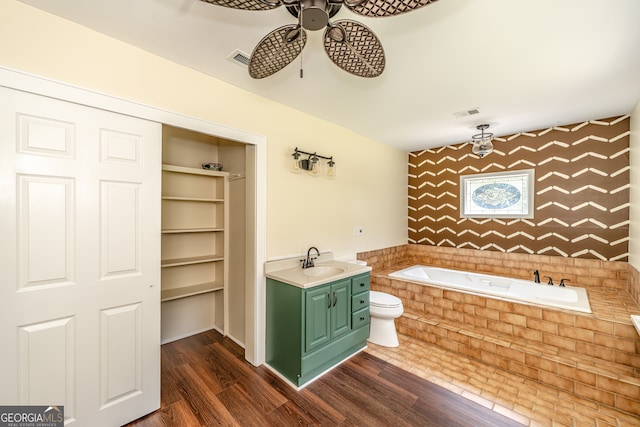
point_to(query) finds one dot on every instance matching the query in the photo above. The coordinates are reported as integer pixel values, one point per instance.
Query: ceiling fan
(349, 44)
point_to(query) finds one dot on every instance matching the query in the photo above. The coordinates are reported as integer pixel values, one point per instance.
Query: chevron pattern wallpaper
(581, 200)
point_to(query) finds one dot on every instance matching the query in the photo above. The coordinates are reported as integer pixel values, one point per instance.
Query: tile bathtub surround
(576, 353)
(634, 283)
(382, 259)
(592, 356)
(582, 272)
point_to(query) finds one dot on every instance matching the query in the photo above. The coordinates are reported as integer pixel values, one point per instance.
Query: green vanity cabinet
(310, 330)
(328, 313)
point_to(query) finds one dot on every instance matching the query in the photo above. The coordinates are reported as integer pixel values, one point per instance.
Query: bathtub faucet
(550, 282)
(536, 276)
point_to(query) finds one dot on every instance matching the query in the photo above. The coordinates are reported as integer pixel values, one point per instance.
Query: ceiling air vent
(239, 57)
(466, 113)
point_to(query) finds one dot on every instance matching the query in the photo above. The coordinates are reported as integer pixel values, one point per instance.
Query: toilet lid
(380, 299)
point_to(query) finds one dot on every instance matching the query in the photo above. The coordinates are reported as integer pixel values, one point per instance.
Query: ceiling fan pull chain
(301, 29)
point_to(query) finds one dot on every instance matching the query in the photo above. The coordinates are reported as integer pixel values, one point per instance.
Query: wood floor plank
(310, 403)
(172, 356)
(176, 414)
(263, 396)
(290, 414)
(169, 391)
(232, 347)
(368, 362)
(365, 402)
(191, 351)
(219, 358)
(386, 390)
(211, 378)
(204, 403)
(207, 382)
(242, 407)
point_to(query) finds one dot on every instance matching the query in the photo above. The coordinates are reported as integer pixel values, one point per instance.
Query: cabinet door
(317, 319)
(340, 308)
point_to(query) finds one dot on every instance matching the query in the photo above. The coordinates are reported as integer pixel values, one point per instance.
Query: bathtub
(525, 291)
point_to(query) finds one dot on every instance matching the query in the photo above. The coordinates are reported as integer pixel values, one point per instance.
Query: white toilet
(384, 309)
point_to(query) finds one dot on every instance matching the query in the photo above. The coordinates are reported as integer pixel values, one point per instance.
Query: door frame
(255, 288)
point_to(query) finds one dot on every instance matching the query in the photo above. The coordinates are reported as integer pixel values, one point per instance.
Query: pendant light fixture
(482, 141)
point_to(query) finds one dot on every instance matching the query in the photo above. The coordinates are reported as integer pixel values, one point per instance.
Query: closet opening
(208, 236)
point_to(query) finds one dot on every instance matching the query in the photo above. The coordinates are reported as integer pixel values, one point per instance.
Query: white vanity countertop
(290, 271)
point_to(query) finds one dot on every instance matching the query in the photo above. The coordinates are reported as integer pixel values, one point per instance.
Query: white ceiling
(525, 65)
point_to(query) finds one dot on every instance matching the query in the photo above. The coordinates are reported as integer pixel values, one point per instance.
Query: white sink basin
(325, 270)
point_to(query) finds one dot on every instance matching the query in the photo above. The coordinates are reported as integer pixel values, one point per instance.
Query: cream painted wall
(634, 193)
(371, 185)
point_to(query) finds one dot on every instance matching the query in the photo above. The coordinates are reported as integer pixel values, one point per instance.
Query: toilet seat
(383, 300)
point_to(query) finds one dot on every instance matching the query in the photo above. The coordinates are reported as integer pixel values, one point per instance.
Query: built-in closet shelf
(193, 171)
(187, 291)
(194, 274)
(191, 230)
(192, 199)
(190, 260)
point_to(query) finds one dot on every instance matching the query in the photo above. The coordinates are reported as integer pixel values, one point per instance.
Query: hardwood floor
(207, 382)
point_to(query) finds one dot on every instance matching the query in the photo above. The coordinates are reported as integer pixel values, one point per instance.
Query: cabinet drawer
(359, 318)
(359, 284)
(360, 301)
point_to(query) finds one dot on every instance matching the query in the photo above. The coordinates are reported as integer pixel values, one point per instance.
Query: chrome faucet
(308, 263)
(536, 276)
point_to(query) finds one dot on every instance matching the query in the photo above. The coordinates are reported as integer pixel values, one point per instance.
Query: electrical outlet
(357, 230)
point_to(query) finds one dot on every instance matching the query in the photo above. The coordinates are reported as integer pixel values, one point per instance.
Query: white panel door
(79, 259)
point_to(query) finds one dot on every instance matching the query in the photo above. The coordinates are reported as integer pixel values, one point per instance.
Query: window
(497, 195)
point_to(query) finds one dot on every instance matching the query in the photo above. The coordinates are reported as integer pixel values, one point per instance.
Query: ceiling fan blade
(277, 50)
(376, 8)
(246, 4)
(354, 48)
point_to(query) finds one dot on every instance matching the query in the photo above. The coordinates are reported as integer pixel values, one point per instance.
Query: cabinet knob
(335, 299)
(362, 285)
(361, 317)
(361, 301)
(329, 296)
